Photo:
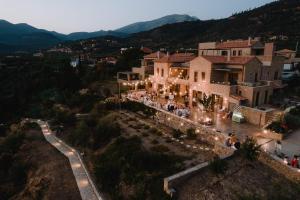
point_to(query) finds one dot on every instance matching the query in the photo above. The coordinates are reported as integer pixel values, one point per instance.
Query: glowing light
(70, 153)
(76, 165)
(265, 131)
(169, 118)
(181, 124)
(83, 183)
(56, 144)
(197, 131)
(216, 138)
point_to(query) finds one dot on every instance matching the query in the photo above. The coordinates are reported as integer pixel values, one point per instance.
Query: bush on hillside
(218, 166)
(250, 149)
(125, 161)
(81, 135)
(106, 129)
(191, 134)
(177, 133)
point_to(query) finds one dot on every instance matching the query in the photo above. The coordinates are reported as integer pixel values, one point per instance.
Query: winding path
(86, 186)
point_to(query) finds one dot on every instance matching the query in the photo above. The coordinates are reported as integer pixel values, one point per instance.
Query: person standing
(294, 162)
(278, 147)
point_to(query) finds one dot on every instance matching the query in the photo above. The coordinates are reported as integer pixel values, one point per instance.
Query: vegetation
(91, 134)
(218, 166)
(191, 134)
(277, 127)
(13, 172)
(136, 107)
(207, 102)
(250, 150)
(177, 133)
(125, 162)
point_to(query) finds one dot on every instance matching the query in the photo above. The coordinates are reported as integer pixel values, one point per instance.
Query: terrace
(179, 114)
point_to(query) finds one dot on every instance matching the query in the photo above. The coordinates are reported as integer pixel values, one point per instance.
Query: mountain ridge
(15, 35)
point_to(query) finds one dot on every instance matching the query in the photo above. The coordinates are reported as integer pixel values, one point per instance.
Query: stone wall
(256, 116)
(278, 165)
(208, 134)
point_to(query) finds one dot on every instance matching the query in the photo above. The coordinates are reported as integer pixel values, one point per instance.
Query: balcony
(180, 81)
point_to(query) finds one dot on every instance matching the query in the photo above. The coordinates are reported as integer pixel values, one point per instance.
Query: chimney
(167, 54)
(269, 49)
(228, 55)
(158, 54)
(249, 41)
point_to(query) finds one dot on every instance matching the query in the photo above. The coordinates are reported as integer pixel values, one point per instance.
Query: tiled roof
(234, 60)
(146, 50)
(235, 44)
(285, 51)
(154, 55)
(177, 58)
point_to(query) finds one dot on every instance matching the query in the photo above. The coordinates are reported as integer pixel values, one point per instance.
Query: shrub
(12, 142)
(177, 133)
(81, 135)
(136, 107)
(154, 141)
(128, 162)
(292, 121)
(146, 127)
(160, 148)
(112, 103)
(99, 109)
(66, 117)
(191, 134)
(276, 126)
(218, 165)
(106, 129)
(250, 150)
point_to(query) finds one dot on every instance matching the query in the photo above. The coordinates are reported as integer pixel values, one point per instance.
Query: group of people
(233, 141)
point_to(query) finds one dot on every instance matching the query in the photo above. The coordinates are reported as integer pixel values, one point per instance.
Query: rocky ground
(242, 180)
(49, 175)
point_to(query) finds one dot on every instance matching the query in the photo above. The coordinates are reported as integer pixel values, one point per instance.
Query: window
(276, 75)
(162, 72)
(240, 52)
(195, 76)
(157, 71)
(224, 53)
(203, 76)
(255, 80)
(234, 53)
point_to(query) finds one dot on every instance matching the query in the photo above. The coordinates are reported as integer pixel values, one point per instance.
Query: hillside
(274, 19)
(23, 37)
(148, 25)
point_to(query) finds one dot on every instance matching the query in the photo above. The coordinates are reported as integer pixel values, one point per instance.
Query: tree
(250, 149)
(207, 102)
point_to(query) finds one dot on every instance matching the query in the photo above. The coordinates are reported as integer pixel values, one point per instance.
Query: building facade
(239, 72)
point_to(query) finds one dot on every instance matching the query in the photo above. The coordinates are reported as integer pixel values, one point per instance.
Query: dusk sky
(67, 16)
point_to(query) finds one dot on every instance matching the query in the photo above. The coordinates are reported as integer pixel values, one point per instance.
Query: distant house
(39, 54)
(291, 63)
(74, 62)
(61, 50)
(146, 50)
(110, 60)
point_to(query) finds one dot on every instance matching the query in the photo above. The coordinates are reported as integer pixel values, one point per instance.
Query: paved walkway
(85, 184)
